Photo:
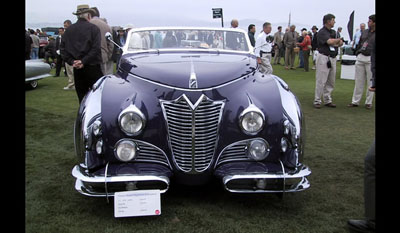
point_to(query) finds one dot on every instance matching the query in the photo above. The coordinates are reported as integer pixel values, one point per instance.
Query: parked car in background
(50, 31)
(35, 70)
(189, 105)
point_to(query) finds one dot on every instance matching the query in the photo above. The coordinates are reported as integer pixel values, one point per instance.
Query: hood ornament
(193, 77)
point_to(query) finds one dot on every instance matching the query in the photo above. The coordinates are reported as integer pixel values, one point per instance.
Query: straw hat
(84, 8)
(129, 26)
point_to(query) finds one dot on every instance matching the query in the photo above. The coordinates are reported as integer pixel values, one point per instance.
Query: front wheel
(31, 85)
(34, 84)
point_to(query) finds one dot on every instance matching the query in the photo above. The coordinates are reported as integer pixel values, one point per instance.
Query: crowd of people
(323, 45)
(80, 48)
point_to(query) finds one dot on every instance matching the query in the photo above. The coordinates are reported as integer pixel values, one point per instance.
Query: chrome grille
(150, 153)
(193, 131)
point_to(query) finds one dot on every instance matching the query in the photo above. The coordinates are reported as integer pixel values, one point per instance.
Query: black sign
(217, 13)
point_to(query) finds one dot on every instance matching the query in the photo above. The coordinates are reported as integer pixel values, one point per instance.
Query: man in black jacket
(60, 60)
(314, 44)
(80, 47)
(251, 31)
(50, 51)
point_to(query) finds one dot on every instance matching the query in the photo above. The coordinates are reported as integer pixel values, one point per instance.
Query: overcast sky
(141, 13)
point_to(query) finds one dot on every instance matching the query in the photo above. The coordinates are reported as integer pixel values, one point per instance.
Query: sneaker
(368, 106)
(317, 106)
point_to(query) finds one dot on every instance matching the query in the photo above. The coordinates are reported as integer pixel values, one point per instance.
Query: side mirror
(110, 38)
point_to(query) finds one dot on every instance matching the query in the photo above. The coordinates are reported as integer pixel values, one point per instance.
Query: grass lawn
(336, 143)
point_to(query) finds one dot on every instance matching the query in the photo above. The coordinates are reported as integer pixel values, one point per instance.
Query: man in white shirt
(263, 49)
(358, 35)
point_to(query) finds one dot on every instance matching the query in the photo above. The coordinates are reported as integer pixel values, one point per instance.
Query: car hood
(176, 69)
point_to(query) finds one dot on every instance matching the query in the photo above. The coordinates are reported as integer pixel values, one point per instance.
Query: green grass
(336, 143)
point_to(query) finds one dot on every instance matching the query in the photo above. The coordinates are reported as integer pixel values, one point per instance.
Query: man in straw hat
(80, 48)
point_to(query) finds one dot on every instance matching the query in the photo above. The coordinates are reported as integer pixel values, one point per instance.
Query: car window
(188, 38)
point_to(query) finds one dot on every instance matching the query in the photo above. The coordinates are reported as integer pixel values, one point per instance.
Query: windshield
(188, 38)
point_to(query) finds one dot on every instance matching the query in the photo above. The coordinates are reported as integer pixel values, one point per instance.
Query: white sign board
(137, 203)
(348, 71)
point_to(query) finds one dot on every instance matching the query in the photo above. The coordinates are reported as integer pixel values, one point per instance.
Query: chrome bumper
(90, 185)
(268, 183)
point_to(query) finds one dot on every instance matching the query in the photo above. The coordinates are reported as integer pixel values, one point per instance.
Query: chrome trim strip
(284, 177)
(38, 77)
(192, 90)
(193, 76)
(105, 181)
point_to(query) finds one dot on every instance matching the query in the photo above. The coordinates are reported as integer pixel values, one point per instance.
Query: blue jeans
(35, 53)
(301, 59)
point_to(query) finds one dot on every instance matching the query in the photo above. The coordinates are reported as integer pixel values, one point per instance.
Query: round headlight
(131, 123)
(99, 146)
(126, 150)
(258, 150)
(96, 127)
(252, 122)
(284, 144)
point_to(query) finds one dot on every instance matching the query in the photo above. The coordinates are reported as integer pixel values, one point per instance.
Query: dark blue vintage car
(189, 105)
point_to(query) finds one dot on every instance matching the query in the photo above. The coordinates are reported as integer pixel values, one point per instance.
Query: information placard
(217, 12)
(137, 203)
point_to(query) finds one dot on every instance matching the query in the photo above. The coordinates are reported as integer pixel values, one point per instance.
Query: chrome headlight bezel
(126, 143)
(253, 146)
(96, 127)
(131, 112)
(253, 112)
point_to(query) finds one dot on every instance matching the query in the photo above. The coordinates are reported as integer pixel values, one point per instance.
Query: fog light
(258, 150)
(126, 150)
(99, 146)
(261, 183)
(284, 144)
(131, 186)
